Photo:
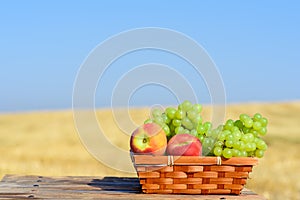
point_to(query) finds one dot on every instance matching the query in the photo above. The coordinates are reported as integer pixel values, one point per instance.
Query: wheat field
(47, 143)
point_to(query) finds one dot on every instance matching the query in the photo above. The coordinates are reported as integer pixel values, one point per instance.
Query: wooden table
(87, 187)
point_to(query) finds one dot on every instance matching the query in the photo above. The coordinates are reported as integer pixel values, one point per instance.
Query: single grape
(227, 153)
(159, 120)
(235, 153)
(262, 131)
(263, 121)
(200, 137)
(187, 105)
(171, 112)
(166, 129)
(219, 143)
(156, 112)
(229, 137)
(197, 108)
(246, 130)
(242, 145)
(250, 137)
(237, 135)
(165, 118)
(222, 136)
(201, 129)
(147, 121)
(259, 153)
(207, 126)
(244, 117)
(260, 144)
(239, 124)
(186, 122)
(176, 122)
(255, 133)
(257, 126)
(236, 144)
(257, 117)
(229, 124)
(191, 114)
(229, 143)
(234, 128)
(179, 114)
(248, 123)
(218, 151)
(248, 147)
(179, 130)
(197, 120)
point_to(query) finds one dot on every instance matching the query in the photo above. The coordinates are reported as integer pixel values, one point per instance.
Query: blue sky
(255, 45)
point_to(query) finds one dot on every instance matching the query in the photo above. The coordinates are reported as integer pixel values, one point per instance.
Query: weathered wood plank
(85, 187)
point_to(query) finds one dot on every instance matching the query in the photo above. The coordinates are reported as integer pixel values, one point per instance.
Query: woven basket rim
(142, 159)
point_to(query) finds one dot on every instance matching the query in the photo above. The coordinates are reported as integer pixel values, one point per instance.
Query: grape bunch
(242, 138)
(185, 119)
(239, 138)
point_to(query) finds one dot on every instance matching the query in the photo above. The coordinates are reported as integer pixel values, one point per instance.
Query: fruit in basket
(149, 139)
(184, 145)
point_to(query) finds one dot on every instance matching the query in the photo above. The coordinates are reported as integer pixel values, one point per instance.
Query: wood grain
(91, 187)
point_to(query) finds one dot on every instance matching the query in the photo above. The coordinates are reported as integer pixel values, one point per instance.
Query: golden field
(47, 143)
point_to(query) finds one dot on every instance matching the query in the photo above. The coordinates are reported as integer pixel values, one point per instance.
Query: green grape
(229, 143)
(191, 114)
(243, 153)
(262, 131)
(254, 133)
(237, 135)
(226, 132)
(171, 112)
(193, 132)
(257, 126)
(187, 105)
(179, 130)
(234, 128)
(259, 153)
(229, 124)
(219, 143)
(176, 122)
(186, 122)
(263, 121)
(248, 147)
(166, 129)
(201, 129)
(165, 118)
(235, 153)
(156, 112)
(179, 114)
(159, 120)
(260, 144)
(242, 145)
(244, 117)
(218, 151)
(147, 121)
(197, 108)
(229, 137)
(239, 124)
(227, 153)
(197, 120)
(250, 137)
(246, 130)
(200, 137)
(207, 126)
(237, 145)
(257, 117)
(253, 146)
(207, 145)
(248, 123)
(222, 136)
(186, 131)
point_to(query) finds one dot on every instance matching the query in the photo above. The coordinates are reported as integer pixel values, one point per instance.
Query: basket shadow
(117, 184)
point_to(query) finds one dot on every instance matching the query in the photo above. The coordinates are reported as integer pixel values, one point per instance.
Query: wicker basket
(192, 174)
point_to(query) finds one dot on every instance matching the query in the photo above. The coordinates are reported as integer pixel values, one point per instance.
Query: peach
(149, 139)
(184, 145)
